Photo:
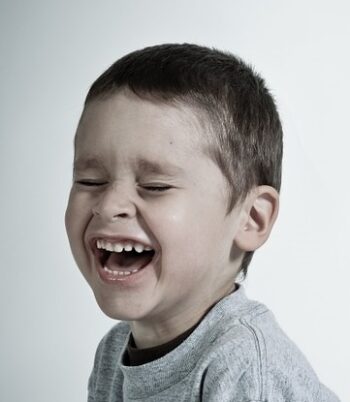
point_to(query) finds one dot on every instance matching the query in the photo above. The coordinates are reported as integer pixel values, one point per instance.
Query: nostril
(116, 217)
(111, 217)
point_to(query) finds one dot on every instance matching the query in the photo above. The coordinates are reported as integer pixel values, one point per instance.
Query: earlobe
(259, 215)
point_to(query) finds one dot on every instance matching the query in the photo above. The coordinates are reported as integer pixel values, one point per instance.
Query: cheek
(187, 218)
(74, 216)
(182, 230)
(192, 232)
(75, 221)
(173, 220)
(68, 217)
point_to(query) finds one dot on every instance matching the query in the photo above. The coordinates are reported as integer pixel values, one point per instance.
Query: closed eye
(90, 183)
(157, 188)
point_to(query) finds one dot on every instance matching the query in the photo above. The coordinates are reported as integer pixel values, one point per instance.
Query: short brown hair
(246, 133)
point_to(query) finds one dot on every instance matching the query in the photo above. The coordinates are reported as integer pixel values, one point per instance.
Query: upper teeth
(120, 246)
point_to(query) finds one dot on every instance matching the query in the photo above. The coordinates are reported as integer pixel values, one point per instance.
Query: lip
(127, 281)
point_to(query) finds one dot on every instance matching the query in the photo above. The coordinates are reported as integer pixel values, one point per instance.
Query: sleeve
(297, 385)
(229, 381)
(93, 375)
(91, 387)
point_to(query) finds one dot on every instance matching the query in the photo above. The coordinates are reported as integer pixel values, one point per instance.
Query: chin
(119, 309)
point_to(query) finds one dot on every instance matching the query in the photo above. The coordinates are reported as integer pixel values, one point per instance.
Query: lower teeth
(121, 273)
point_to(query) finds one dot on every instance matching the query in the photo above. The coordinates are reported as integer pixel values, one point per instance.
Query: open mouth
(122, 259)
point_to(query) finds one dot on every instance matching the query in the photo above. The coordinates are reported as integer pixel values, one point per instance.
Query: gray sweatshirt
(238, 353)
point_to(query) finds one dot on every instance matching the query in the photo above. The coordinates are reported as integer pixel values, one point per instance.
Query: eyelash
(89, 183)
(156, 189)
(150, 188)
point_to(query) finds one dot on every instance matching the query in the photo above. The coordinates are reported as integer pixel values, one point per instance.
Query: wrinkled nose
(114, 203)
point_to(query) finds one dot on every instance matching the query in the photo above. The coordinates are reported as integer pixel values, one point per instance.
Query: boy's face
(125, 147)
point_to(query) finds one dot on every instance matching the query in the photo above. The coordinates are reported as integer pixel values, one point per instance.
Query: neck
(148, 334)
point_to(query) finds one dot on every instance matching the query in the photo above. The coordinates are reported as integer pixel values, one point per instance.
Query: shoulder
(108, 352)
(114, 340)
(234, 360)
(253, 356)
(119, 330)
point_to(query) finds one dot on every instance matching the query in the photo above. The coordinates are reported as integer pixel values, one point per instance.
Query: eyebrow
(147, 166)
(89, 163)
(143, 165)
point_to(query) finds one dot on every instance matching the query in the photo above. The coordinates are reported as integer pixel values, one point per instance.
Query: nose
(114, 203)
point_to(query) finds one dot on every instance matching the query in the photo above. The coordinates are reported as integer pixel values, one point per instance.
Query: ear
(258, 216)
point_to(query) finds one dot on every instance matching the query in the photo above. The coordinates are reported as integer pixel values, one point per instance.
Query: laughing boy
(177, 173)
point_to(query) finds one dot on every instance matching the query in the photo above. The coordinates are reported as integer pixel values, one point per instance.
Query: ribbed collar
(151, 378)
(143, 356)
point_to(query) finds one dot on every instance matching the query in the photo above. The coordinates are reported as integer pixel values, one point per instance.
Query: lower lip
(128, 280)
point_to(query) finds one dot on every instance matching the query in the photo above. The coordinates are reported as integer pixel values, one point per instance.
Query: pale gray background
(51, 51)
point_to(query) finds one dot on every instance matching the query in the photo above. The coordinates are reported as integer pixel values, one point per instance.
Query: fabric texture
(238, 353)
(135, 356)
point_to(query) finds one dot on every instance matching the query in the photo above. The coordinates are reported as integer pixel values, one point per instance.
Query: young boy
(177, 172)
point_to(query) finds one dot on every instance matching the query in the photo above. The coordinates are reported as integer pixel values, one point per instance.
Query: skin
(200, 247)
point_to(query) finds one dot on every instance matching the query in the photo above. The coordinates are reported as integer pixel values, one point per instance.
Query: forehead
(125, 124)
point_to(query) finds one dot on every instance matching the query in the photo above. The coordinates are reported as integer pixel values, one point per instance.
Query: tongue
(127, 261)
